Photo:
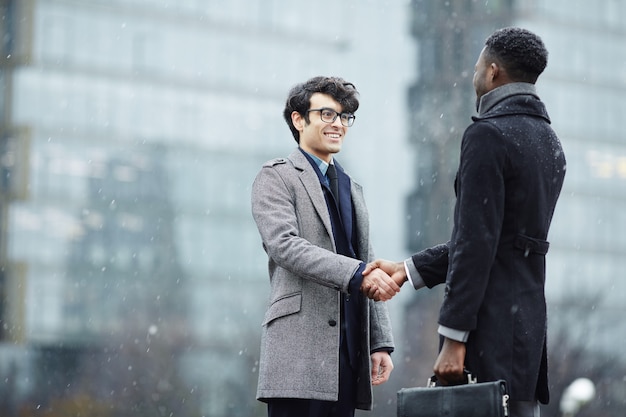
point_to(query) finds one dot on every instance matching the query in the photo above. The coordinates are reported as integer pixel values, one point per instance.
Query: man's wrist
(453, 334)
(412, 275)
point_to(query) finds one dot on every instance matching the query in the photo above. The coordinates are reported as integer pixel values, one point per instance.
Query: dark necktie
(349, 310)
(333, 180)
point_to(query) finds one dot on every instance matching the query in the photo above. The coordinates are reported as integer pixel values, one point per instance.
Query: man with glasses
(324, 344)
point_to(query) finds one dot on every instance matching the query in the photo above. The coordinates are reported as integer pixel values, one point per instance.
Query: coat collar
(510, 99)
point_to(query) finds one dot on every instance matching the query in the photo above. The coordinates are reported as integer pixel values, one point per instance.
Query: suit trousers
(523, 409)
(344, 407)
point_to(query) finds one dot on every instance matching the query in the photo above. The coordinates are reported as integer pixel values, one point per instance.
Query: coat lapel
(312, 185)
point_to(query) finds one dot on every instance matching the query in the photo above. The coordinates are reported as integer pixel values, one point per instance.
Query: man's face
(482, 76)
(318, 137)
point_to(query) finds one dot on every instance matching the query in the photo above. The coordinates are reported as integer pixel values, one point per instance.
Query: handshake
(382, 279)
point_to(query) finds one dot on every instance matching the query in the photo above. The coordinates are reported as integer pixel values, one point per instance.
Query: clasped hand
(382, 279)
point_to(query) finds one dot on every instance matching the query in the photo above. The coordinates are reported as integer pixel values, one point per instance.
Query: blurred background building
(132, 278)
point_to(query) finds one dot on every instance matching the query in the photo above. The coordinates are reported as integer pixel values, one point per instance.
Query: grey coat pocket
(283, 306)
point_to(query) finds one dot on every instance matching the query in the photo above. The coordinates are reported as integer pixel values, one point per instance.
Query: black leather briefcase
(485, 399)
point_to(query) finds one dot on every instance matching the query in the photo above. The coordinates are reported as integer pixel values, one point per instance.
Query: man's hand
(381, 367)
(450, 363)
(395, 270)
(379, 286)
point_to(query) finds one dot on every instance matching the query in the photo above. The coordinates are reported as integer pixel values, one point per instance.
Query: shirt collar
(322, 165)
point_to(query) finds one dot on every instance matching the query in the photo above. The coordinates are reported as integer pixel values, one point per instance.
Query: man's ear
(298, 121)
(494, 71)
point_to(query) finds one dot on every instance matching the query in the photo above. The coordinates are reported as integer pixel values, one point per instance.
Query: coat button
(332, 323)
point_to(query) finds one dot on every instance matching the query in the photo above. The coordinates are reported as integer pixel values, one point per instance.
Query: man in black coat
(493, 317)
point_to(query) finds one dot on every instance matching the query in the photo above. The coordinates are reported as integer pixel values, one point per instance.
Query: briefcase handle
(432, 381)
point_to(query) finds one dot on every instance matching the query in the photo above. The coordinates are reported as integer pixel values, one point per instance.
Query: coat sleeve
(381, 335)
(478, 218)
(280, 212)
(432, 264)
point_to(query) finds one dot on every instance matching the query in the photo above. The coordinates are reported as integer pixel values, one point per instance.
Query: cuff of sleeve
(385, 349)
(357, 279)
(458, 335)
(413, 276)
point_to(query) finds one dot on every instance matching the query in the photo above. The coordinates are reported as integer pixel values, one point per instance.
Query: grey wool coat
(301, 329)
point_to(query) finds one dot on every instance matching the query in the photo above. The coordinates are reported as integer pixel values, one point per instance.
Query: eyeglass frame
(349, 117)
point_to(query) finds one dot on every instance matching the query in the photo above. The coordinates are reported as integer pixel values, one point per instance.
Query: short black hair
(299, 98)
(522, 53)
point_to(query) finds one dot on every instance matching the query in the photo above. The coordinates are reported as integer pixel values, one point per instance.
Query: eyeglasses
(329, 115)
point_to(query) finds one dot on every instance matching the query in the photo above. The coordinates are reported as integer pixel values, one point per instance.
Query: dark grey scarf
(490, 99)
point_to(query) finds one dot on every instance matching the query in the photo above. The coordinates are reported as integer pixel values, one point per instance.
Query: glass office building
(133, 281)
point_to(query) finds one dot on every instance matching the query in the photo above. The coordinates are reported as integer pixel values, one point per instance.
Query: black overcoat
(510, 175)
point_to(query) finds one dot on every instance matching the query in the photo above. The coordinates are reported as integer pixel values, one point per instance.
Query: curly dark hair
(299, 98)
(522, 53)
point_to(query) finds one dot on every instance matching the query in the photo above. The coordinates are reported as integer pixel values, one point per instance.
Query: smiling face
(317, 137)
